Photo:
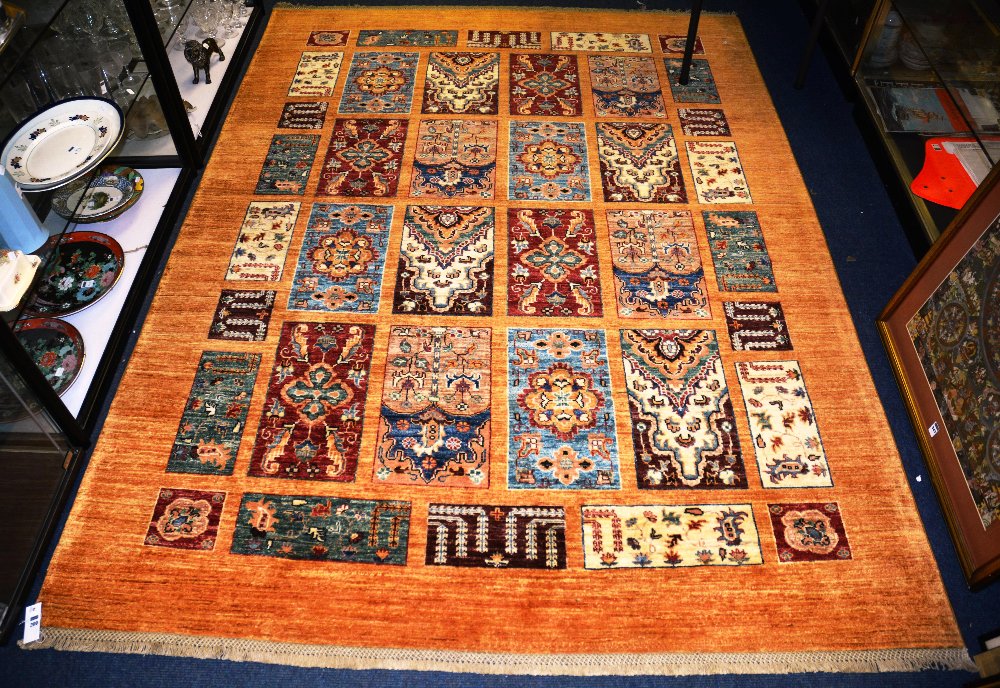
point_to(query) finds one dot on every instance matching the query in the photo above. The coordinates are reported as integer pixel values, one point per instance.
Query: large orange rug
(486, 346)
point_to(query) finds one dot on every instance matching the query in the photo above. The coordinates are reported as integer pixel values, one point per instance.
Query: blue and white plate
(62, 142)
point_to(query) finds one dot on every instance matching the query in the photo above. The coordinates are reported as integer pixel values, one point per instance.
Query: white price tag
(32, 622)
(933, 429)
(104, 89)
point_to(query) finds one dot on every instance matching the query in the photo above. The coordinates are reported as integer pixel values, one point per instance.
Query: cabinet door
(33, 459)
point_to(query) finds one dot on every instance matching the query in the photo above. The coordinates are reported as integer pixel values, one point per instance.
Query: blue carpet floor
(872, 257)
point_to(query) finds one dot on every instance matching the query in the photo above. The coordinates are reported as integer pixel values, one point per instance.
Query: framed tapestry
(942, 331)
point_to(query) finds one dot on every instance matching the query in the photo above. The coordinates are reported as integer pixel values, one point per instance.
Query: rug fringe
(666, 663)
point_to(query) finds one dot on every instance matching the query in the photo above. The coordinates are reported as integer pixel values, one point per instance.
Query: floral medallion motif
(242, 315)
(701, 84)
(552, 259)
(639, 163)
(342, 259)
(263, 241)
(496, 537)
(548, 162)
(185, 519)
(703, 122)
(455, 159)
(328, 38)
(674, 45)
(316, 75)
(683, 424)
(670, 536)
(215, 415)
(379, 82)
(545, 84)
(435, 424)
(657, 264)
(445, 261)
(504, 39)
(561, 412)
(286, 167)
(364, 158)
(462, 83)
(809, 532)
(312, 528)
(599, 41)
(757, 325)
(718, 172)
(786, 436)
(414, 38)
(625, 87)
(313, 413)
(303, 116)
(736, 241)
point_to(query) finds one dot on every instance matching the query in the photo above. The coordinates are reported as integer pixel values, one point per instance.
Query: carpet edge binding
(631, 664)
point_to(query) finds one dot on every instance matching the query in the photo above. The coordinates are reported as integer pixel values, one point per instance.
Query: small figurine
(200, 55)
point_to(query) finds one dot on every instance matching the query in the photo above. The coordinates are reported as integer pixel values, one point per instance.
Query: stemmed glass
(208, 17)
(186, 31)
(167, 13)
(121, 51)
(235, 22)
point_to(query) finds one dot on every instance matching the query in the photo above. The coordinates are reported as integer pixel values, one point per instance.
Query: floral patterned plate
(55, 346)
(62, 142)
(85, 267)
(110, 193)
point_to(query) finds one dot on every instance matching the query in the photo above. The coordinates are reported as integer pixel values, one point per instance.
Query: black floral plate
(85, 267)
(55, 346)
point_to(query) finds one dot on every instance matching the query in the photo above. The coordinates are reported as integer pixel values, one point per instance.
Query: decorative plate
(114, 190)
(85, 267)
(62, 142)
(55, 346)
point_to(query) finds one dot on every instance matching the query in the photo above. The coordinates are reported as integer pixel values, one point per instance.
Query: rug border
(402, 659)
(289, 5)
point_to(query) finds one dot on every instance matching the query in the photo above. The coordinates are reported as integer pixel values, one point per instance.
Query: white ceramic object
(62, 142)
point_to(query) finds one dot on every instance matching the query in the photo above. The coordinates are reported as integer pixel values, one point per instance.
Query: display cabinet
(107, 82)
(928, 73)
(846, 21)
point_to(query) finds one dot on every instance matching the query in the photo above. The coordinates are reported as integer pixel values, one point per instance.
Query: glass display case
(929, 75)
(847, 21)
(103, 133)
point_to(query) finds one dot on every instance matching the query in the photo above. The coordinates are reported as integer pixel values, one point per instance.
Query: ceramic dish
(84, 267)
(110, 193)
(62, 142)
(55, 346)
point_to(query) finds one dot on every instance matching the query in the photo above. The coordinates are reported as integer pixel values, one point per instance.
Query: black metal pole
(689, 44)
(817, 26)
(140, 12)
(41, 388)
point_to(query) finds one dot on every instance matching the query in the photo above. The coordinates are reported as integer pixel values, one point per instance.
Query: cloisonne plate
(55, 346)
(114, 190)
(85, 267)
(62, 142)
